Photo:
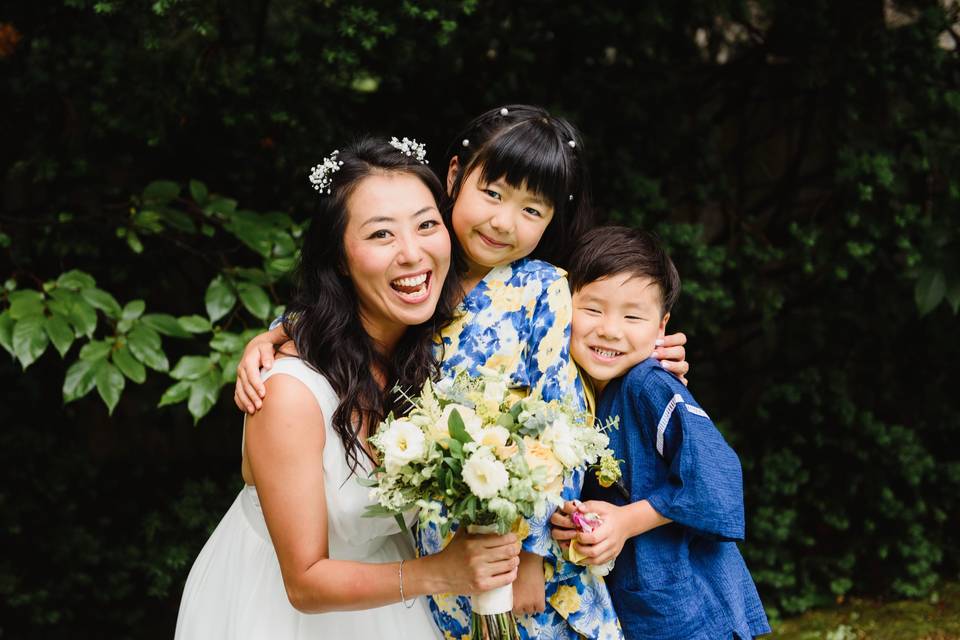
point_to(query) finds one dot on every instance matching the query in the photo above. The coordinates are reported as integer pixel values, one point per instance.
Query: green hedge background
(802, 160)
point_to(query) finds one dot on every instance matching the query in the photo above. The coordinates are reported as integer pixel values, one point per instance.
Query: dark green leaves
(165, 324)
(129, 365)
(144, 343)
(161, 191)
(29, 339)
(26, 302)
(100, 299)
(255, 300)
(219, 298)
(109, 383)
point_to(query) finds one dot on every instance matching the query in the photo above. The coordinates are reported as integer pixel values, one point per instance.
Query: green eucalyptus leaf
(255, 299)
(177, 393)
(219, 298)
(191, 368)
(80, 379)
(29, 339)
(60, 333)
(195, 324)
(166, 324)
(25, 303)
(76, 280)
(110, 384)
(100, 299)
(129, 365)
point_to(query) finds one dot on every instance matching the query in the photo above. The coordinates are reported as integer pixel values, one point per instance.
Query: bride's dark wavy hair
(323, 320)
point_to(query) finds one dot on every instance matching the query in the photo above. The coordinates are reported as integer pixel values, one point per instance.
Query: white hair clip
(466, 142)
(410, 148)
(573, 144)
(504, 111)
(321, 174)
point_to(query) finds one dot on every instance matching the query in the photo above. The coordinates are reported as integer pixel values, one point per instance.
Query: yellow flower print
(566, 600)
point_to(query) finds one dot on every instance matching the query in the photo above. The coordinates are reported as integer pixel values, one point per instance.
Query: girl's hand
(606, 541)
(258, 354)
(672, 355)
(473, 563)
(529, 591)
(562, 528)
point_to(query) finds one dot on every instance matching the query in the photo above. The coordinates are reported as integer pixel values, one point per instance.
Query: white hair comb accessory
(321, 174)
(411, 148)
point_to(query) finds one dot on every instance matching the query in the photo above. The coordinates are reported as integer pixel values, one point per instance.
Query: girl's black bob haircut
(528, 147)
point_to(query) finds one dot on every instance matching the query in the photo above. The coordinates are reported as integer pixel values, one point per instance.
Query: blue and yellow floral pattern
(518, 319)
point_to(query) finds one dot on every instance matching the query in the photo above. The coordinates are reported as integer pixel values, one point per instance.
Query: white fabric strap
(665, 419)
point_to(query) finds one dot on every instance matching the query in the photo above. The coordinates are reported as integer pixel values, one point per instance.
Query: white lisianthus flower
(560, 437)
(440, 430)
(485, 475)
(402, 443)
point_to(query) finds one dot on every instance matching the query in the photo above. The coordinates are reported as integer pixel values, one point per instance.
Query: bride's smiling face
(397, 253)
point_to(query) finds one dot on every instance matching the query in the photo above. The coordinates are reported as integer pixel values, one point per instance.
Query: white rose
(402, 443)
(485, 475)
(559, 437)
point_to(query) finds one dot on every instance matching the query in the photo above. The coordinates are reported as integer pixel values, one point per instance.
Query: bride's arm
(284, 444)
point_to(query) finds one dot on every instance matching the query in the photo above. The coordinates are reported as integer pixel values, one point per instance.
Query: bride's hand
(257, 354)
(672, 355)
(473, 563)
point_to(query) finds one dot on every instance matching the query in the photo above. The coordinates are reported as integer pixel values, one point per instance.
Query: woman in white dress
(293, 557)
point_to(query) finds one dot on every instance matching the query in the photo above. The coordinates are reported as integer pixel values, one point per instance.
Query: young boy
(673, 520)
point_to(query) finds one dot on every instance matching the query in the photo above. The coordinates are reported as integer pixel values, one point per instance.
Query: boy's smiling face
(616, 322)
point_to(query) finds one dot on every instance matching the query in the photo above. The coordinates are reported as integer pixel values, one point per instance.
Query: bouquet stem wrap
(492, 617)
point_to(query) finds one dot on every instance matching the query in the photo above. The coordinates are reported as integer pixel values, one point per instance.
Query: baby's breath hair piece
(411, 148)
(321, 175)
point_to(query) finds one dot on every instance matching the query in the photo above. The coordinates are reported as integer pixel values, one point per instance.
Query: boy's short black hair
(608, 251)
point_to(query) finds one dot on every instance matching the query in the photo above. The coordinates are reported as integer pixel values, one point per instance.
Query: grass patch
(935, 618)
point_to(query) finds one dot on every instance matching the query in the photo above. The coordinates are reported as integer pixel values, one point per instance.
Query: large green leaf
(930, 289)
(203, 395)
(228, 367)
(6, 331)
(95, 350)
(458, 430)
(255, 299)
(176, 393)
(83, 317)
(191, 368)
(24, 303)
(227, 342)
(166, 324)
(198, 191)
(133, 310)
(129, 365)
(60, 332)
(254, 233)
(178, 220)
(219, 298)
(75, 280)
(80, 379)
(110, 384)
(162, 191)
(100, 299)
(144, 342)
(195, 324)
(29, 339)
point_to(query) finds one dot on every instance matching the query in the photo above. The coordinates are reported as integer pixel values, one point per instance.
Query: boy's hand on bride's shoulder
(258, 354)
(672, 354)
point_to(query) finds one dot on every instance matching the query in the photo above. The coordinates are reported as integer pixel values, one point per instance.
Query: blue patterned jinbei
(518, 318)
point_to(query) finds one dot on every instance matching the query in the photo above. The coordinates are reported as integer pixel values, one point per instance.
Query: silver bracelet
(403, 598)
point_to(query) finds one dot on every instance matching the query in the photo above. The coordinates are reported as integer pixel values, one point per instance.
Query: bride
(293, 557)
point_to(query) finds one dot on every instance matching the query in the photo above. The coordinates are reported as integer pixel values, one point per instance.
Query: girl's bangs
(530, 156)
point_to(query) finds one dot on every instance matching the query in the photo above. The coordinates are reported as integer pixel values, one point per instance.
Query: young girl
(518, 182)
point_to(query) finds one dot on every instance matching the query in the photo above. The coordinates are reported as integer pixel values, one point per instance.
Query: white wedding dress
(235, 589)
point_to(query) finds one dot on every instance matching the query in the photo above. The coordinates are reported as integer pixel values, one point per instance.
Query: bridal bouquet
(490, 456)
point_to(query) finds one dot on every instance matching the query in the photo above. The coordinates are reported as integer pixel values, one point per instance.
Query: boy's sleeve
(553, 375)
(703, 488)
